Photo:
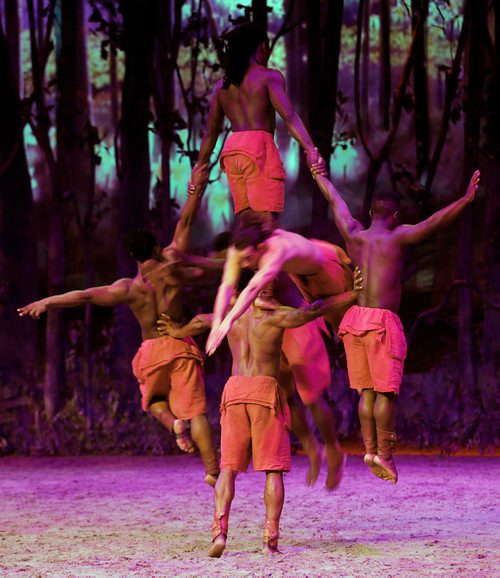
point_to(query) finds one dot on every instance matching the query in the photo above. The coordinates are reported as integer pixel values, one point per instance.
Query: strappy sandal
(219, 528)
(182, 438)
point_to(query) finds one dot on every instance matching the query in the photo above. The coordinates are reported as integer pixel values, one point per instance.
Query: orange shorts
(255, 423)
(254, 171)
(307, 357)
(171, 368)
(375, 347)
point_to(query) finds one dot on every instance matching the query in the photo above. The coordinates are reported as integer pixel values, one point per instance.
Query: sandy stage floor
(141, 516)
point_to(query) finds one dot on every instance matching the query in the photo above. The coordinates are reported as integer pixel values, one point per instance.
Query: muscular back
(255, 344)
(248, 106)
(155, 292)
(380, 258)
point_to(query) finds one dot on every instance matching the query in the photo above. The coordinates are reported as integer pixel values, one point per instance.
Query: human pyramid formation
(273, 322)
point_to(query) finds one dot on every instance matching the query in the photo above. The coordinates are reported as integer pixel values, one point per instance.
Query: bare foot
(182, 438)
(335, 460)
(269, 550)
(315, 457)
(218, 546)
(387, 464)
(376, 470)
(211, 479)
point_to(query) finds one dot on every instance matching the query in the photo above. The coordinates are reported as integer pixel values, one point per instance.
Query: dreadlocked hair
(240, 45)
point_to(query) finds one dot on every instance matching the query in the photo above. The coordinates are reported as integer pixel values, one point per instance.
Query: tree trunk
(491, 263)
(474, 71)
(365, 65)
(74, 145)
(18, 267)
(385, 64)
(324, 52)
(259, 12)
(134, 159)
(420, 8)
(167, 42)
(12, 36)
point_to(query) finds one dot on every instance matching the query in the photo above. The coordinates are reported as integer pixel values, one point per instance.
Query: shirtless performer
(309, 375)
(255, 419)
(169, 370)
(249, 95)
(372, 333)
(319, 269)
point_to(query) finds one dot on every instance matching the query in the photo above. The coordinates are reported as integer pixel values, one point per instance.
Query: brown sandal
(219, 535)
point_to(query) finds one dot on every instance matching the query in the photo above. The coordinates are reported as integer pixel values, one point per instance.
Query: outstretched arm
(412, 234)
(197, 325)
(346, 223)
(106, 296)
(288, 317)
(205, 263)
(182, 231)
(230, 278)
(281, 102)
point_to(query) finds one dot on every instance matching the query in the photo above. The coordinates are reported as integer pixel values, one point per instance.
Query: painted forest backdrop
(102, 106)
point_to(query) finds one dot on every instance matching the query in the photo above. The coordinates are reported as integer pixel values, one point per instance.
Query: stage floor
(151, 516)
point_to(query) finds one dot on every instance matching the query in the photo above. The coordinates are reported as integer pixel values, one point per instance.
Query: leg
(384, 413)
(274, 498)
(160, 409)
(188, 401)
(335, 457)
(202, 436)
(369, 431)
(223, 497)
(300, 427)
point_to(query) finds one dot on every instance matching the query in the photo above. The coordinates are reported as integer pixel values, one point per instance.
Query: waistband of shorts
(256, 131)
(245, 379)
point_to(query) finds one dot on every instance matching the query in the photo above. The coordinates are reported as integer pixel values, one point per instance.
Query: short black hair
(251, 233)
(222, 241)
(140, 243)
(385, 203)
(241, 44)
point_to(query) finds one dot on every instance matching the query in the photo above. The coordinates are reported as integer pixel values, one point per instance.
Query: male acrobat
(255, 420)
(249, 95)
(372, 333)
(169, 370)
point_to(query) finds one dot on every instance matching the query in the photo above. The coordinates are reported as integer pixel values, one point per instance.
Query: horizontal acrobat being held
(371, 330)
(319, 269)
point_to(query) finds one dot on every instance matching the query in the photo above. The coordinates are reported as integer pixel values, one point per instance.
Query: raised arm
(412, 234)
(281, 102)
(214, 127)
(346, 223)
(199, 324)
(182, 231)
(106, 296)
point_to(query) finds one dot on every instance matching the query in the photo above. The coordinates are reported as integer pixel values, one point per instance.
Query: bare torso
(156, 290)
(248, 106)
(255, 344)
(380, 258)
(297, 254)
